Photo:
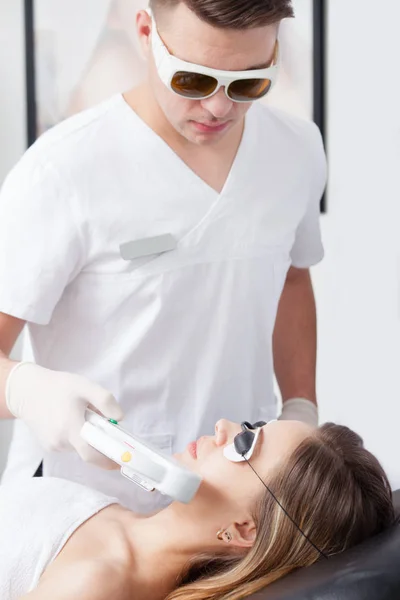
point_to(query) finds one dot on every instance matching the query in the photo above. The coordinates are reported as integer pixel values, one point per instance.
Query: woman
(233, 539)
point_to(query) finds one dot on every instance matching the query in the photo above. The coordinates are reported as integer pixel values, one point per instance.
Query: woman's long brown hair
(332, 487)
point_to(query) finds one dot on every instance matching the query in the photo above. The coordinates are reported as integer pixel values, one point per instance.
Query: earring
(223, 534)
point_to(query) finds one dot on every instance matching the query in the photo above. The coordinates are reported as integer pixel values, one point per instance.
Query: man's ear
(143, 27)
(243, 534)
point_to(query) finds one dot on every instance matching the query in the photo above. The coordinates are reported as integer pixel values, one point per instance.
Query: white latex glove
(299, 409)
(53, 405)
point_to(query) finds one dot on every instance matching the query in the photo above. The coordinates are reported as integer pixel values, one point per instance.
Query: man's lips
(210, 127)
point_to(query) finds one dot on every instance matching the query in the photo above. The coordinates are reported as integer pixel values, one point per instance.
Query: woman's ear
(243, 534)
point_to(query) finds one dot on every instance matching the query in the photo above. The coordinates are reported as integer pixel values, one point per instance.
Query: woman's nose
(225, 430)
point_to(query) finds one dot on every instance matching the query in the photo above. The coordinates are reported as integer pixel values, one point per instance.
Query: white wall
(12, 117)
(357, 285)
(12, 84)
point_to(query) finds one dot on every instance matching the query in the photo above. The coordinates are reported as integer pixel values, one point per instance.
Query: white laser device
(141, 463)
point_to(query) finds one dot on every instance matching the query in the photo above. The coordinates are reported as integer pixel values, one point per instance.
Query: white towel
(37, 517)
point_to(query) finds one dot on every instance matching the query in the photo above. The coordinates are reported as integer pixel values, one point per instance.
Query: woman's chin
(184, 458)
(180, 457)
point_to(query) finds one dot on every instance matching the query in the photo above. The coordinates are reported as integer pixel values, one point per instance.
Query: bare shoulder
(89, 580)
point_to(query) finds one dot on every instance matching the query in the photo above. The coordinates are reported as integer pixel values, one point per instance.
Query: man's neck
(211, 162)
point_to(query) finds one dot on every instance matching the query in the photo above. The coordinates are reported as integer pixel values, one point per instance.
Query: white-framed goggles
(196, 82)
(243, 444)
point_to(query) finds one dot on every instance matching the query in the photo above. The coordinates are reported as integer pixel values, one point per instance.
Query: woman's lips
(192, 448)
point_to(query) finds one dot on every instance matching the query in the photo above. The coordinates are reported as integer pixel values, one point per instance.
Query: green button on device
(113, 421)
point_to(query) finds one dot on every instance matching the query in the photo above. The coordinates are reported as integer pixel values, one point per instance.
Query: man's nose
(218, 105)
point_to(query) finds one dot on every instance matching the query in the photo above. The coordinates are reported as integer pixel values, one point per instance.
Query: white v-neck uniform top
(182, 338)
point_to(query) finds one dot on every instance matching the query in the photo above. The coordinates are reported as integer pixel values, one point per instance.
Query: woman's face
(234, 484)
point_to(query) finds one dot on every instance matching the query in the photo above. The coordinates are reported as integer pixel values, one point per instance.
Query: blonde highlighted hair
(332, 487)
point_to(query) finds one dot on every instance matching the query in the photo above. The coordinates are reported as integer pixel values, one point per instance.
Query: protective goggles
(244, 442)
(196, 82)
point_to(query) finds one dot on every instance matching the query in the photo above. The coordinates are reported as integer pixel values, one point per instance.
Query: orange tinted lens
(193, 85)
(246, 90)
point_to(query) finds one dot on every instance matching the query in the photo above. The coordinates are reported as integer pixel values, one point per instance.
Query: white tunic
(182, 338)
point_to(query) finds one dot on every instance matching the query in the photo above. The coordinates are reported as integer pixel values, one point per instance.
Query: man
(146, 243)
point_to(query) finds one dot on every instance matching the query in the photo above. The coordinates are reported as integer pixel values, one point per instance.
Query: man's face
(190, 39)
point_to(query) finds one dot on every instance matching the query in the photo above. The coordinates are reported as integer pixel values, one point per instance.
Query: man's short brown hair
(233, 14)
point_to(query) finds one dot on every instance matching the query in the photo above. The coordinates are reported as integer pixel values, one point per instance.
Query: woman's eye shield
(243, 445)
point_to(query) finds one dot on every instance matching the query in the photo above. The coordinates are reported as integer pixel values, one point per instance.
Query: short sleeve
(307, 249)
(40, 242)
